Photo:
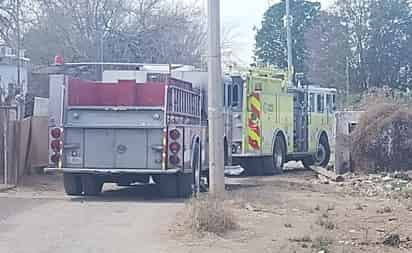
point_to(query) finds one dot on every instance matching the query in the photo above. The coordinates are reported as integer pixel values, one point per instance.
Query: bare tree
(74, 28)
(142, 30)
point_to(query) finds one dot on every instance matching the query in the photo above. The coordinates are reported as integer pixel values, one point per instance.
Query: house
(9, 87)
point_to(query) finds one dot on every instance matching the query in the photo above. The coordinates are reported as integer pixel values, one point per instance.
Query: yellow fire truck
(283, 123)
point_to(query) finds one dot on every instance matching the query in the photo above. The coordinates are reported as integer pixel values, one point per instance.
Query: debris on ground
(321, 244)
(385, 209)
(327, 175)
(393, 185)
(393, 240)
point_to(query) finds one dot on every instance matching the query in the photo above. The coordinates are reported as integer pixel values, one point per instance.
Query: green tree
(389, 49)
(355, 15)
(271, 37)
(329, 52)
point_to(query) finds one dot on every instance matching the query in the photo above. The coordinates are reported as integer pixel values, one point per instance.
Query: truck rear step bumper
(114, 171)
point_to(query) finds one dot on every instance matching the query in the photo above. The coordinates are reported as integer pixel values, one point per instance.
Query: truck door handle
(157, 148)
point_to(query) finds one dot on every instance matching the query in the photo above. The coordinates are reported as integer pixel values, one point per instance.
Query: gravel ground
(293, 212)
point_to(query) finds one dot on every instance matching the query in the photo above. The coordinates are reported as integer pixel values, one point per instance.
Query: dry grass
(322, 244)
(383, 138)
(326, 223)
(210, 214)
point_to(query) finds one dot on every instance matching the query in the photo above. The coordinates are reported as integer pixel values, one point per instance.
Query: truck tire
(322, 156)
(176, 186)
(72, 184)
(196, 169)
(278, 155)
(225, 152)
(91, 185)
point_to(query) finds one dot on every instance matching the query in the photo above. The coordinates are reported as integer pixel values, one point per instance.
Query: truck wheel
(197, 176)
(226, 152)
(278, 155)
(322, 155)
(91, 185)
(72, 184)
(176, 186)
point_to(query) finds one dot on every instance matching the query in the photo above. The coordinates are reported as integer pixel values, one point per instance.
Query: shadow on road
(138, 193)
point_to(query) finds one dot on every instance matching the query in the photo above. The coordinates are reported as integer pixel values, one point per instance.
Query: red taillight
(55, 158)
(174, 147)
(174, 159)
(56, 145)
(56, 133)
(174, 134)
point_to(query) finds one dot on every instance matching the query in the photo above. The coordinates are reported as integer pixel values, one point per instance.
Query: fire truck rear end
(128, 132)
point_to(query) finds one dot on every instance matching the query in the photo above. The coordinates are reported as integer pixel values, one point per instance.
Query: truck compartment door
(131, 148)
(99, 146)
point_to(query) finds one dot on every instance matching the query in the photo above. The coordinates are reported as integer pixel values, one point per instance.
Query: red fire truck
(126, 132)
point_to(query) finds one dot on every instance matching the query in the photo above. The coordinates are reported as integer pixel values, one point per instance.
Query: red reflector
(175, 160)
(55, 158)
(174, 134)
(174, 147)
(56, 133)
(55, 145)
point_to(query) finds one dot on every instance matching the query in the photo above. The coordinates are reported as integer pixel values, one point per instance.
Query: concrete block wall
(345, 120)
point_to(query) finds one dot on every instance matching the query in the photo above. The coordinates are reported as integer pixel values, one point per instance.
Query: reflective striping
(254, 135)
(253, 144)
(255, 104)
(254, 127)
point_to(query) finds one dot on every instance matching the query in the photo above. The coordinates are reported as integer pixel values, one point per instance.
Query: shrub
(210, 214)
(382, 139)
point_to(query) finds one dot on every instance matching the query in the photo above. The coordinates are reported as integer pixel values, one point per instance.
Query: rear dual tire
(76, 185)
(91, 185)
(72, 184)
(182, 185)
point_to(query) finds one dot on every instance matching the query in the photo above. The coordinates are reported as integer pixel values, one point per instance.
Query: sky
(241, 16)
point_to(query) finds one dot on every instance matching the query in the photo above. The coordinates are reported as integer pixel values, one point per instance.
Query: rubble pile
(382, 141)
(394, 185)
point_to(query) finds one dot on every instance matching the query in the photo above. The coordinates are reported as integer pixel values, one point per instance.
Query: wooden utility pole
(215, 100)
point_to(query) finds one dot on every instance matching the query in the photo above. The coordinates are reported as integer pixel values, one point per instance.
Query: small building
(9, 59)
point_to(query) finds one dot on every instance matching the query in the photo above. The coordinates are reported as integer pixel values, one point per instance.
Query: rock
(385, 209)
(393, 240)
(387, 179)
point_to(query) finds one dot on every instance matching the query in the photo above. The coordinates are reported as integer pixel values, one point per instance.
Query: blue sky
(243, 15)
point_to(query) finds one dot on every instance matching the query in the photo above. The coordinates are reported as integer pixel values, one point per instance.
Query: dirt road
(288, 213)
(49, 222)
